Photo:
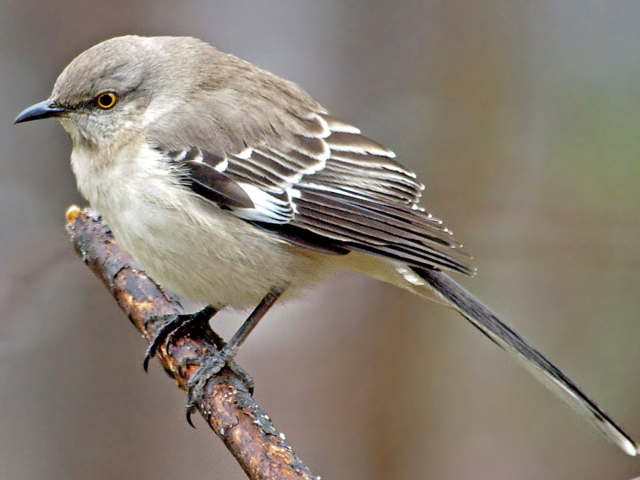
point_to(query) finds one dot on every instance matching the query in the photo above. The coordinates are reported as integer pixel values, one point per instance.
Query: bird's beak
(46, 109)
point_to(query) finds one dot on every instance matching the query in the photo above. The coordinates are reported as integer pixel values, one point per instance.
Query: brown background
(521, 118)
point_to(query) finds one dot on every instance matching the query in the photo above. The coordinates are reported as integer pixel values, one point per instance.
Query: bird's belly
(209, 256)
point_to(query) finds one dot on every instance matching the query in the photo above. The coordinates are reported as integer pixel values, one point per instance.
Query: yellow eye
(106, 100)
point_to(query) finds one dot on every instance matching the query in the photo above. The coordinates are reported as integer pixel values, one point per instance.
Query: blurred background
(522, 120)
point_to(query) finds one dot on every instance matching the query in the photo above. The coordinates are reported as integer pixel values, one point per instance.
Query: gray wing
(327, 188)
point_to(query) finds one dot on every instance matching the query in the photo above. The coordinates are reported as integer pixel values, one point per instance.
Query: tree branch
(227, 407)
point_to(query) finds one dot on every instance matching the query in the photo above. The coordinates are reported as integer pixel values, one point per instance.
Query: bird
(234, 188)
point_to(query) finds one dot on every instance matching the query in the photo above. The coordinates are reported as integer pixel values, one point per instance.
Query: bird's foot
(209, 367)
(172, 327)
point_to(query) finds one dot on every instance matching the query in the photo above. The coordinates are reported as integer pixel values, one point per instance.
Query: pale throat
(103, 170)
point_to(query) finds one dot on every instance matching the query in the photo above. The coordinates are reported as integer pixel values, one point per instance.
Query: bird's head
(113, 91)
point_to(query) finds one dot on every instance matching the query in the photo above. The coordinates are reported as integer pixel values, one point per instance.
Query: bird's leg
(172, 326)
(213, 364)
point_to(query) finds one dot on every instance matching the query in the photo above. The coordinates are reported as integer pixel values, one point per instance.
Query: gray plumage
(226, 182)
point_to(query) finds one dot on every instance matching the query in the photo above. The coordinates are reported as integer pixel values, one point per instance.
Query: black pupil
(106, 100)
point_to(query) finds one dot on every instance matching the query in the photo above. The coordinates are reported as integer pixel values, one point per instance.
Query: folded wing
(328, 188)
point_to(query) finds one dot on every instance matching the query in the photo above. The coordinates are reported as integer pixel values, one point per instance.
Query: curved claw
(147, 359)
(152, 349)
(172, 323)
(190, 410)
(192, 399)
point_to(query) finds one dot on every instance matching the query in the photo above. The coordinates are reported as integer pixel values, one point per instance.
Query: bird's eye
(106, 100)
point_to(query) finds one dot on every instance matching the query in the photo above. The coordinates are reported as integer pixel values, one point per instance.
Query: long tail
(535, 362)
(439, 287)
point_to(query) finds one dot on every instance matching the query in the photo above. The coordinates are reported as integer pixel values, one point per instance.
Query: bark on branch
(228, 408)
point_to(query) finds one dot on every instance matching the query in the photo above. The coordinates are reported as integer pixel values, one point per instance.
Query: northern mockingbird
(234, 188)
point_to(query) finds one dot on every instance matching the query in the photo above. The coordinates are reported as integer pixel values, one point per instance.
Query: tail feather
(439, 287)
(535, 362)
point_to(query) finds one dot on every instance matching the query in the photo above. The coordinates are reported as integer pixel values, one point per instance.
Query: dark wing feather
(365, 229)
(216, 186)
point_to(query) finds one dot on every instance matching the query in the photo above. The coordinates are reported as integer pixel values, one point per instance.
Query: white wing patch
(244, 154)
(269, 208)
(222, 166)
